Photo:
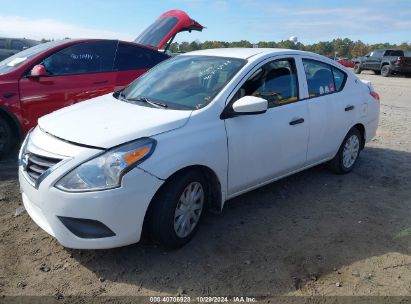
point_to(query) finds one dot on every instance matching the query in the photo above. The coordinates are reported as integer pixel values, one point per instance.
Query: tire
(357, 68)
(6, 137)
(163, 218)
(347, 156)
(385, 71)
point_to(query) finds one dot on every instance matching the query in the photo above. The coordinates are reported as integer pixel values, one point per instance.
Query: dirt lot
(314, 233)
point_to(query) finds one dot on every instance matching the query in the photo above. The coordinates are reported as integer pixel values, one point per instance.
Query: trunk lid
(166, 27)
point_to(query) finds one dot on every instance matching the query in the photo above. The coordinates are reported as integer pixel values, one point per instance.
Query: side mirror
(38, 71)
(249, 105)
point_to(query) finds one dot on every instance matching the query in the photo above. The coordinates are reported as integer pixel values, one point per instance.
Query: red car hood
(166, 27)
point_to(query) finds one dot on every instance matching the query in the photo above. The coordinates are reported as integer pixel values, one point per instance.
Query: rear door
(76, 73)
(330, 107)
(166, 27)
(134, 60)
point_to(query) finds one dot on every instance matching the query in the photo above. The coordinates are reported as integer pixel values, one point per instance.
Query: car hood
(105, 122)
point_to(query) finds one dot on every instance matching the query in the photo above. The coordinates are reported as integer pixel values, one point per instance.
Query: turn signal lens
(136, 155)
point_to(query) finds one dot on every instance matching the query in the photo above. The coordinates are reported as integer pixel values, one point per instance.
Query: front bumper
(122, 209)
(86, 220)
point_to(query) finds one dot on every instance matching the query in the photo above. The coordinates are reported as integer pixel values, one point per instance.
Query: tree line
(337, 47)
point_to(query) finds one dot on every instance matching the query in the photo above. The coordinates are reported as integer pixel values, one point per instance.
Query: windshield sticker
(16, 61)
(210, 71)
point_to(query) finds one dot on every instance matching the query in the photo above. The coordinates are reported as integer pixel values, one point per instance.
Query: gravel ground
(314, 233)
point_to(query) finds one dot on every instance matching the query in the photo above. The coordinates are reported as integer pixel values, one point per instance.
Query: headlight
(23, 146)
(106, 170)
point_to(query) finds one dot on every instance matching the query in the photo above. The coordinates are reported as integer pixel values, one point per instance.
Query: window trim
(332, 67)
(229, 101)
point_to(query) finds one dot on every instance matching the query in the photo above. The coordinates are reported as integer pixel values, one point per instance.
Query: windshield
(185, 82)
(11, 63)
(157, 31)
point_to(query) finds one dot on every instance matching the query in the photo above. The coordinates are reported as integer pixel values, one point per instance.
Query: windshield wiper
(146, 100)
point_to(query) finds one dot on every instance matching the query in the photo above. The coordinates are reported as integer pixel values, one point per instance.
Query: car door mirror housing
(38, 71)
(247, 105)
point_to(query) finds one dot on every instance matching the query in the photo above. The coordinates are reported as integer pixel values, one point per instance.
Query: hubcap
(189, 208)
(350, 153)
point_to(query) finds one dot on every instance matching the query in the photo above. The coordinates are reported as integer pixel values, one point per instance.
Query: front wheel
(346, 157)
(6, 137)
(177, 209)
(357, 68)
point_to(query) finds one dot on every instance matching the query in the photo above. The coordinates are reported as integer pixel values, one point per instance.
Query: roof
(242, 53)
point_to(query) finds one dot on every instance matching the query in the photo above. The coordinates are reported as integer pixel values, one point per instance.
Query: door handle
(349, 108)
(101, 82)
(296, 121)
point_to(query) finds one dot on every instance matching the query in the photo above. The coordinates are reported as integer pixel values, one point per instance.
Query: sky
(311, 21)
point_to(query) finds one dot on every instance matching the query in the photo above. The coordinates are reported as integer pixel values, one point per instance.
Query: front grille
(38, 164)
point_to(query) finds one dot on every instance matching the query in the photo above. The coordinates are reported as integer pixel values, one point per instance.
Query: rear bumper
(401, 69)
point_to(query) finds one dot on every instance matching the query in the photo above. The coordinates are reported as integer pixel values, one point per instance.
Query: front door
(266, 146)
(76, 73)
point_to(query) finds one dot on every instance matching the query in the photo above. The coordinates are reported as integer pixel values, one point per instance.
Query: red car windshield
(11, 63)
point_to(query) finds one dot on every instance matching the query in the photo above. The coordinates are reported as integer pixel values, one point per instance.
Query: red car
(346, 62)
(56, 74)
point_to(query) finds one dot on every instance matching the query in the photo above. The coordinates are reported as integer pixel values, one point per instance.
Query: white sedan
(195, 131)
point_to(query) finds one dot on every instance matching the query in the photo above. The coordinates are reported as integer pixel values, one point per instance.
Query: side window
(82, 58)
(131, 57)
(339, 78)
(3, 43)
(275, 81)
(17, 45)
(322, 78)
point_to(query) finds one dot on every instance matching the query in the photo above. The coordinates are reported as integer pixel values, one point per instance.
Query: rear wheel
(386, 71)
(357, 68)
(348, 153)
(177, 209)
(6, 137)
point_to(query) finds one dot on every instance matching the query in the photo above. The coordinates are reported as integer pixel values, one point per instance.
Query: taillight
(399, 61)
(375, 95)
